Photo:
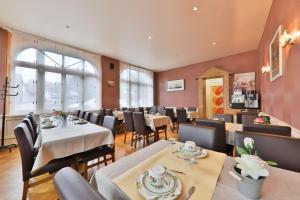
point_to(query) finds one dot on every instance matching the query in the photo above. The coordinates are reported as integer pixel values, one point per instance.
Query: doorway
(214, 96)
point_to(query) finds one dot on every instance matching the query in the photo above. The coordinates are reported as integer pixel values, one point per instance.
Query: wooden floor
(11, 172)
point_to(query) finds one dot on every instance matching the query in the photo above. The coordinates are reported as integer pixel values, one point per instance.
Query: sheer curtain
(136, 86)
(53, 76)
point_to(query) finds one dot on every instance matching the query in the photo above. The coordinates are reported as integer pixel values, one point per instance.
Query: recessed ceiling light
(149, 37)
(195, 8)
(67, 26)
(214, 43)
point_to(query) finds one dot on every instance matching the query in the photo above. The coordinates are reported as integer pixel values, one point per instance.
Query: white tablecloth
(155, 121)
(280, 185)
(119, 115)
(68, 140)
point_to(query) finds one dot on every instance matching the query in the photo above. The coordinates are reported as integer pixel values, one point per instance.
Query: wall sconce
(265, 69)
(289, 39)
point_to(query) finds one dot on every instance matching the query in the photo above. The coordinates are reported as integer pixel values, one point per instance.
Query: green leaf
(241, 151)
(272, 163)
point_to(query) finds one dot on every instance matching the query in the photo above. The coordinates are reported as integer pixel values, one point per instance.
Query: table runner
(203, 175)
(65, 141)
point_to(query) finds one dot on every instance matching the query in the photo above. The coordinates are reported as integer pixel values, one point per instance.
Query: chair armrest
(70, 185)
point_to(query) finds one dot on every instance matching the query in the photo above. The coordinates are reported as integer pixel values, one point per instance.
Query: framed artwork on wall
(276, 60)
(175, 85)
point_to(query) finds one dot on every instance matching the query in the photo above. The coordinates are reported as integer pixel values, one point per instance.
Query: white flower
(248, 142)
(252, 166)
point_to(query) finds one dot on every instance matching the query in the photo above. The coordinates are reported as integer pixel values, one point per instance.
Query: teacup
(190, 145)
(81, 120)
(172, 140)
(158, 173)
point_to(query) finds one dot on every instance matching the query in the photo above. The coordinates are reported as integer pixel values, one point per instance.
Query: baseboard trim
(275, 121)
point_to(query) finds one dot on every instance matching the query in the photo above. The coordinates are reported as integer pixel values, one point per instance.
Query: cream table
(70, 139)
(280, 185)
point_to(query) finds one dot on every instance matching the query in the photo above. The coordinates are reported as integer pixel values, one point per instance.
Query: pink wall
(110, 95)
(281, 98)
(240, 63)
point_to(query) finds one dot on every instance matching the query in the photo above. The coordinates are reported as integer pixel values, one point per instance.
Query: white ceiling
(120, 28)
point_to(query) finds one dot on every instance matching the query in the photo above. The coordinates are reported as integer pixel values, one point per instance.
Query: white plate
(47, 127)
(171, 190)
(198, 153)
(81, 122)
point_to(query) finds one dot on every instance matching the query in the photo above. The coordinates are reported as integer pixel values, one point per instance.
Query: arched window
(49, 80)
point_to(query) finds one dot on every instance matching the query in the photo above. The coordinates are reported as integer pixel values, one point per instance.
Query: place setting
(47, 125)
(159, 183)
(80, 121)
(189, 151)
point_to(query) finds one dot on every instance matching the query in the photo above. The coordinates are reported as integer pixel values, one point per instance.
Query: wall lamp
(265, 69)
(289, 39)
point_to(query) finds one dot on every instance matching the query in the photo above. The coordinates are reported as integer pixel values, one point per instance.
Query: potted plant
(250, 170)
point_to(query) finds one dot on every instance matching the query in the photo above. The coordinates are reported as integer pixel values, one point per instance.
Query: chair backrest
(181, 116)
(131, 109)
(220, 132)
(76, 113)
(87, 116)
(148, 109)
(192, 109)
(95, 118)
(224, 117)
(268, 129)
(123, 108)
(108, 112)
(26, 146)
(102, 114)
(280, 149)
(30, 116)
(162, 112)
(82, 114)
(141, 109)
(30, 128)
(170, 113)
(70, 185)
(248, 118)
(128, 118)
(161, 108)
(139, 123)
(203, 136)
(110, 122)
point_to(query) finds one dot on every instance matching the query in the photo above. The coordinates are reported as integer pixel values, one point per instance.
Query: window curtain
(136, 86)
(52, 76)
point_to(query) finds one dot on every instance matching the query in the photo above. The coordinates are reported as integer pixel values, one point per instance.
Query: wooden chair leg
(125, 137)
(166, 137)
(132, 138)
(135, 140)
(105, 161)
(113, 157)
(25, 189)
(147, 139)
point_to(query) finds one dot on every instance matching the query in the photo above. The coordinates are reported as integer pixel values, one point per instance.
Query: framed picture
(175, 85)
(111, 83)
(276, 61)
(244, 81)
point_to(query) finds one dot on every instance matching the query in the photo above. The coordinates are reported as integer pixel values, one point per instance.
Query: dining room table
(209, 175)
(68, 137)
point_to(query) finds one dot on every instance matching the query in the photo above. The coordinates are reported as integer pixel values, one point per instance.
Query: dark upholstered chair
(109, 122)
(108, 112)
(141, 130)
(87, 116)
(30, 116)
(131, 109)
(161, 108)
(170, 113)
(129, 126)
(76, 113)
(102, 114)
(30, 128)
(220, 132)
(141, 109)
(192, 109)
(148, 109)
(203, 136)
(82, 114)
(123, 108)
(268, 129)
(70, 185)
(95, 118)
(224, 117)
(181, 116)
(26, 149)
(162, 112)
(280, 149)
(248, 118)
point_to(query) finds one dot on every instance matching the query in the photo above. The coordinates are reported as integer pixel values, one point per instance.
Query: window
(136, 87)
(51, 81)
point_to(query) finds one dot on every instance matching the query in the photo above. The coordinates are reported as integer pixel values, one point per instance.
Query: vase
(249, 187)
